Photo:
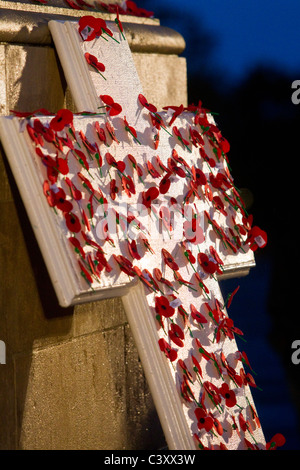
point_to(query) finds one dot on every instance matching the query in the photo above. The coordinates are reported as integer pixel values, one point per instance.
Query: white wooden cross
(128, 201)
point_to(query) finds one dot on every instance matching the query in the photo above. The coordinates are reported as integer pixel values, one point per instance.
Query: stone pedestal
(72, 378)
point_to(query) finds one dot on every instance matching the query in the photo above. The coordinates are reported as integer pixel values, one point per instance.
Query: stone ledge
(31, 27)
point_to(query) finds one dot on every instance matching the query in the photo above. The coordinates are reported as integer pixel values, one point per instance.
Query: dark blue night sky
(242, 58)
(246, 33)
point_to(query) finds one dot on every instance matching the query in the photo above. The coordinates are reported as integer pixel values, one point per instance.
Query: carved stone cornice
(24, 23)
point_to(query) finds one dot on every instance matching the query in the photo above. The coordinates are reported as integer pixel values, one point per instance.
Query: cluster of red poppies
(129, 8)
(77, 199)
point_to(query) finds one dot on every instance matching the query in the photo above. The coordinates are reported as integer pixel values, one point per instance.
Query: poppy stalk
(169, 260)
(166, 348)
(119, 24)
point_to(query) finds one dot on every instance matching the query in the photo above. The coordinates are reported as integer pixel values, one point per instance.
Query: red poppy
(80, 156)
(150, 195)
(201, 283)
(111, 132)
(219, 205)
(85, 273)
(93, 61)
(34, 135)
(257, 238)
(230, 298)
(102, 261)
(133, 9)
(278, 440)
(45, 131)
(61, 202)
(132, 248)
(197, 367)
(62, 165)
(146, 244)
(205, 421)
(161, 165)
(199, 176)
(130, 129)
(199, 443)
(202, 350)
(176, 335)
(46, 159)
(166, 348)
(128, 185)
(192, 231)
(150, 278)
(76, 194)
(249, 445)
(101, 133)
(158, 275)
(185, 390)
(215, 255)
(52, 174)
(42, 111)
(112, 108)
(143, 278)
(132, 160)
(120, 165)
(185, 370)
(227, 327)
(72, 221)
(179, 278)
(220, 181)
(151, 170)
(49, 193)
(230, 371)
(91, 27)
(180, 138)
(63, 118)
(125, 265)
(196, 138)
(223, 143)
(179, 159)
(229, 395)
(147, 105)
(164, 184)
(247, 378)
(118, 22)
(113, 189)
(207, 264)
(177, 111)
(73, 5)
(196, 315)
(190, 257)
(169, 260)
(216, 313)
(86, 183)
(85, 220)
(163, 307)
(244, 424)
(242, 356)
(212, 392)
(177, 170)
